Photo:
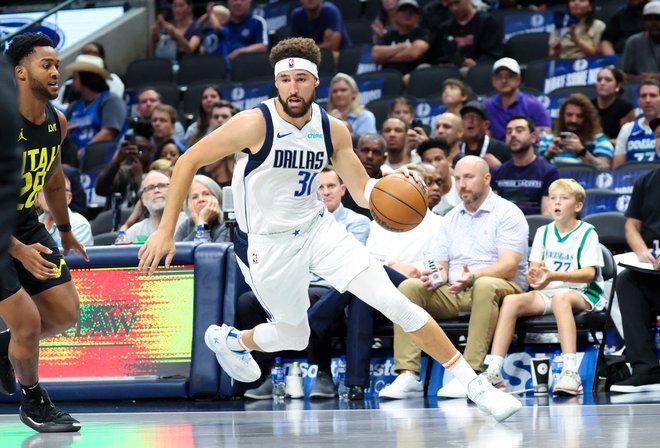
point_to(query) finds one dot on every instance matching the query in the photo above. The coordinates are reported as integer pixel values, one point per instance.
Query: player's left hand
(407, 174)
(70, 243)
(462, 283)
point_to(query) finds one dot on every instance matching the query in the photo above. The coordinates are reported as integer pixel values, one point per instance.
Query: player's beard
(40, 91)
(303, 109)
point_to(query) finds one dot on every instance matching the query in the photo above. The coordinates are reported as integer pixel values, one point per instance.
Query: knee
(511, 305)
(561, 303)
(300, 340)
(414, 290)
(484, 289)
(28, 332)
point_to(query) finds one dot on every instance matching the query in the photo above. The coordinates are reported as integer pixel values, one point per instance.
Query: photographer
(579, 136)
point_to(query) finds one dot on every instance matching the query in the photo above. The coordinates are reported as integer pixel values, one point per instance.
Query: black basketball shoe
(42, 415)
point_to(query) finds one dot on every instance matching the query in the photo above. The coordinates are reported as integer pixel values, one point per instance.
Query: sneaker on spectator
(406, 385)
(493, 401)
(639, 382)
(453, 389)
(495, 379)
(568, 383)
(263, 392)
(240, 366)
(324, 387)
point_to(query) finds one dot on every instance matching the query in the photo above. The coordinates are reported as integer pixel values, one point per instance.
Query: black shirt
(479, 39)
(622, 25)
(645, 206)
(495, 147)
(394, 37)
(610, 116)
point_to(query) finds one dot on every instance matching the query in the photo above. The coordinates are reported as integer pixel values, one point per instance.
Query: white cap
(508, 63)
(651, 8)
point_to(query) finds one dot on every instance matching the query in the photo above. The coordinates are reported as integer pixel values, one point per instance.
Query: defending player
(38, 298)
(285, 232)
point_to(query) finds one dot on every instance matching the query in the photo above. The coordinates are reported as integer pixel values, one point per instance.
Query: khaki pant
(482, 300)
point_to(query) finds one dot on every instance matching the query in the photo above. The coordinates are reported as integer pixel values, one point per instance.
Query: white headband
(296, 64)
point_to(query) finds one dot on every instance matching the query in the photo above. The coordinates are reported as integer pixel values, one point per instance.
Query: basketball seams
(399, 200)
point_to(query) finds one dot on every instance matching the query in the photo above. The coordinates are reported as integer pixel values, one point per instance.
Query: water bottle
(122, 239)
(202, 235)
(556, 367)
(430, 263)
(277, 375)
(342, 389)
(294, 382)
(657, 336)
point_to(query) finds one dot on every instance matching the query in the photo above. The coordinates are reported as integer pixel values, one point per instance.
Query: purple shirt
(524, 185)
(524, 104)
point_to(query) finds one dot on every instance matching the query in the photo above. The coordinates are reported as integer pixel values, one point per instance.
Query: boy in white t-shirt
(565, 274)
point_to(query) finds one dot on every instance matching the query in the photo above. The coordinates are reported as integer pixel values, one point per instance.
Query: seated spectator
(476, 141)
(210, 28)
(371, 149)
(173, 40)
(470, 36)
(623, 24)
(640, 289)
(613, 110)
(168, 150)
(565, 277)
(478, 274)
(384, 21)
(322, 22)
(99, 114)
(148, 98)
(222, 170)
(636, 142)
(203, 205)
(583, 38)
(434, 152)
(344, 104)
(579, 137)
(394, 131)
(163, 119)
(455, 93)
(510, 101)
(200, 128)
(525, 179)
(640, 54)
(405, 47)
(449, 127)
(67, 95)
(402, 108)
(79, 224)
(154, 188)
(434, 14)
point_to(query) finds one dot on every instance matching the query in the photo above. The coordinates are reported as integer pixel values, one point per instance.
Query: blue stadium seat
(600, 200)
(626, 174)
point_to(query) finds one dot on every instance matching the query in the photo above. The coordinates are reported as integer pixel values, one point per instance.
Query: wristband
(369, 187)
(64, 227)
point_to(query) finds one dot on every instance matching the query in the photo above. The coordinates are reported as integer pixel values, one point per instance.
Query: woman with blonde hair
(203, 205)
(344, 105)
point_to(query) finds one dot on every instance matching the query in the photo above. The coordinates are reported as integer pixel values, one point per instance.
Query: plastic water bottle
(556, 367)
(294, 382)
(342, 389)
(122, 239)
(430, 264)
(277, 375)
(202, 235)
(657, 336)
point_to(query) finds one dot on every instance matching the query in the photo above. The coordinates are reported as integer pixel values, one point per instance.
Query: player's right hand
(30, 257)
(153, 250)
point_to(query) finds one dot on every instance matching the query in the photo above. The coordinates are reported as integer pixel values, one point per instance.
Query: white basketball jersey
(275, 190)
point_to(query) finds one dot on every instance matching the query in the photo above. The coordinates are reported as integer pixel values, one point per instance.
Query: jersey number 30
(305, 179)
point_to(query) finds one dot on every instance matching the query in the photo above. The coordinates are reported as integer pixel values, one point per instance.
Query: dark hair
(433, 143)
(99, 47)
(401, 100)
(530, 122)
(296, 47)
(649, 82)
(591, 15)
(464, 88)
(146, 88)
(202, 118)
(93, 82)
(227, 104)
(160, 147)
(23, 45)
(618, 77)
(591, 126)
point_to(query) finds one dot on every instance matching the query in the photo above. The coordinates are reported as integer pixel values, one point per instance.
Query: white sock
(461, 370)
(235, 341)
(496, 363)
(570, 360)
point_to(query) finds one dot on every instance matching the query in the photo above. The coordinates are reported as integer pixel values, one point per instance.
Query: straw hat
(88, 63)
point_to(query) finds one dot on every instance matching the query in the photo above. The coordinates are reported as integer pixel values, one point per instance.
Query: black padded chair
(199, 67)
(97, 155)
(534, 75)
(479, 78)
(147, 71)
(563, 92)
(360, 32)
(327, 67)
(427, 82)
(103, 221)
(349, 60)
(392, 84)
(381, 108)
(193, 94)
(249, 66)
(278, 35)
(526, 48)
(535, 222)
(610, 227)
(105, 239)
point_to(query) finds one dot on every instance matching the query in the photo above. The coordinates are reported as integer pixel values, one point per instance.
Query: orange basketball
(397, 204)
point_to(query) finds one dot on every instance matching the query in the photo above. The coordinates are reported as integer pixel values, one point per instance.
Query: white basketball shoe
(240, 366)
(493, 401)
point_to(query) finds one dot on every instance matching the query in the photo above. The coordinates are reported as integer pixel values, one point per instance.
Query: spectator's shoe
(324, 387)
(640, 382)
(568, 384)
(453, 389)
(239, 365)
(492, 401)
(495, 378)
(406, 385)
(263, 392)
(41, 415)
(356, 393)
(7, 377)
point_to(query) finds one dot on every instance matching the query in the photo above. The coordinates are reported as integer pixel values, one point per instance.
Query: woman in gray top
(203, 206)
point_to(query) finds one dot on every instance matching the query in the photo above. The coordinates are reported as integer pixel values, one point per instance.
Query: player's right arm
(245, 130)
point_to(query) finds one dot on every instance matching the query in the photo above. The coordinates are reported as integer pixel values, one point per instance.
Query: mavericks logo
(10, 25)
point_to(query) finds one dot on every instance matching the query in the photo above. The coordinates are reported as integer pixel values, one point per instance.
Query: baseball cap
(651, 8)
(508, 63)
(474, 106)
(403, 3)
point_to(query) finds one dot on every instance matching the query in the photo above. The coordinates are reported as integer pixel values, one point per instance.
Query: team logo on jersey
(291, 63)
(52, 127)
(21, 137)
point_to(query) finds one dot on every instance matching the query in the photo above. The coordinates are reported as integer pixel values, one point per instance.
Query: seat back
(391, 80)
(349, 60)
(584, 174)
(198, 67)
(535, 222)
(600, 200)
(147, 71)
(610, 227)
(427, 82)
(479, 79)
(250, 65)
(360, 32)
(529, 47)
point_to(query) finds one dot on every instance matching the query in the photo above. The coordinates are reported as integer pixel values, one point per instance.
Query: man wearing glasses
(153, 193)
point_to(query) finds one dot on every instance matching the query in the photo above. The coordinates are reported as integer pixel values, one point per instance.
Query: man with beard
(372, 151)
(524, 180)
(38, 298)
(285, 232)
(394, 132)
(153, 193)
(481, 249)
(450, 128)
(434, 152)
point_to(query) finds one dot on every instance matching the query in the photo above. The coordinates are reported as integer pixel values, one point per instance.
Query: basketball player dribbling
(38, 298)
(285, 232)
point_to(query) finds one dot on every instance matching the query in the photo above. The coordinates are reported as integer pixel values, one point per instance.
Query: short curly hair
(296, 47)
(23, 45)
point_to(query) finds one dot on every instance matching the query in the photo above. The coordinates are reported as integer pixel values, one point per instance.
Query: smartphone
(416, 123)
(130, 137)
(565, 135)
